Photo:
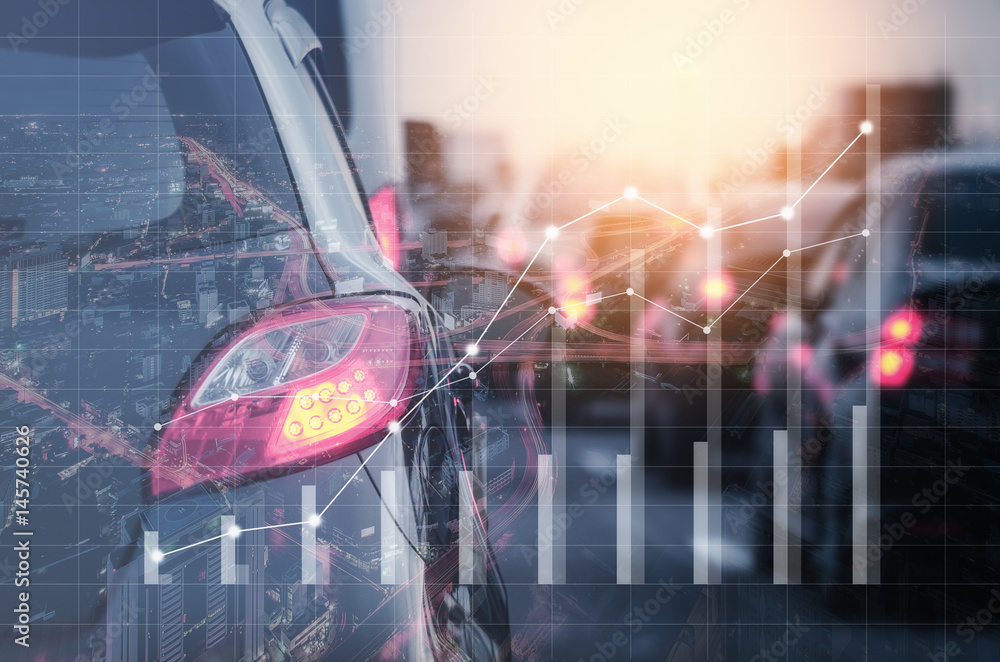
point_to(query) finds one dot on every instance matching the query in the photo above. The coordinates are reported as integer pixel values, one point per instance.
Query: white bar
(150, 568)
(466, 513)
(556, 538)
(700, 501)
(859, 514)
(780, 480)
(637, 423)
(228, 558)
(388, 527)
(545, 519)
(792, 458)
(310, 571)
(873, 308)
(557, 478)
(623, 507)
(713, 402)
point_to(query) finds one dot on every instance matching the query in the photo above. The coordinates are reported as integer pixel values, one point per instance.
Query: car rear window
(959, 214)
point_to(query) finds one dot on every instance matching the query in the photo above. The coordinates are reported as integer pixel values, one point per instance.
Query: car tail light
(384, 216)
(311, 383)
(893, 361)
(904, 326)
(892, 366)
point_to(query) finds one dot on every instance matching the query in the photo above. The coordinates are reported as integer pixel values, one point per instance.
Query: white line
(756, 220)
(179, 418)
(679, 218)
(667, 310)
(511, 344)
(535, 257)
(194, 544)
(801, 197)
(272, 526)
(513, 289)
(374, 450)
(591, 213)
(723, 314)
(827, 170)
(824, 243)
(428, 391)
(604, 297)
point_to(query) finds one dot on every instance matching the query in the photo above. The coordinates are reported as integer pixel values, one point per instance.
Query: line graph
(471, 350)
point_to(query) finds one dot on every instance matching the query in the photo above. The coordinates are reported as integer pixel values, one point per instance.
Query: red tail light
(384, 215)
(892, 366)
(893, 362)
(904, 326)
(308, 384)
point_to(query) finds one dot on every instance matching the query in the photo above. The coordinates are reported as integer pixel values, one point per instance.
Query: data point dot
(630, 291)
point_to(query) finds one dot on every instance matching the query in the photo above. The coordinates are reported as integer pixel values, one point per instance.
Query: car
(356, 62)
(270, 456)
(902, 342)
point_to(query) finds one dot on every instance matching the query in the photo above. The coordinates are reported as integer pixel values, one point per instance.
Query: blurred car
(912, 330)
(192, 266)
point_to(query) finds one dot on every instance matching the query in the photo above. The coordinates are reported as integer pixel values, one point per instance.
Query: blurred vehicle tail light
(311, 383)
(892, 366)
(904, 326)
(893, 361)
(384, 215)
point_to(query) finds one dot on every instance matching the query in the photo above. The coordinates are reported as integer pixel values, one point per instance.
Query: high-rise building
(205, 274)
(238, 311)
(208, 301)
(435, 243)
(443, 302)
(493, 290)
(5, 303)
(150, 367)
(33, 287)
